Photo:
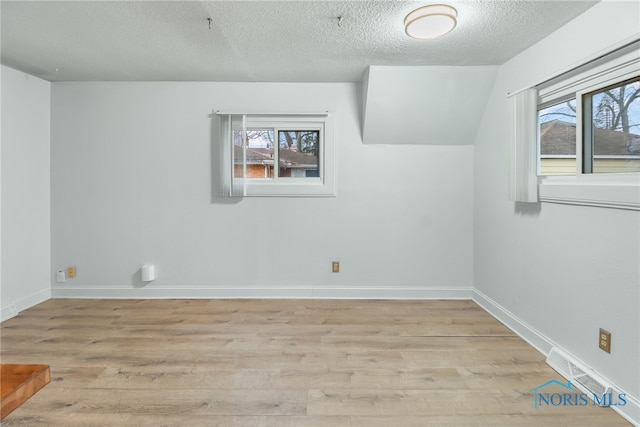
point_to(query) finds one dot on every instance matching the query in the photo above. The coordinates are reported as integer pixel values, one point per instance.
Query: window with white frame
(610, 123)
(589, 122)
(587, 128)
(275, 155)
(585, 125)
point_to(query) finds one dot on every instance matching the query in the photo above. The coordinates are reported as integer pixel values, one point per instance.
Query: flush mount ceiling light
(428, 22)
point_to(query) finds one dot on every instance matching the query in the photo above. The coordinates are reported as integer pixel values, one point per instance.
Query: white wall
(132, 183)
(417, 105)
(26, 264)
(554, 271)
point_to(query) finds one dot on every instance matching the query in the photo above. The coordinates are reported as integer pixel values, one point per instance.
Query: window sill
(293, 189)
(619, 191)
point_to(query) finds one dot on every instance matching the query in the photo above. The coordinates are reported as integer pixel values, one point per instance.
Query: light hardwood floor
(280, 363)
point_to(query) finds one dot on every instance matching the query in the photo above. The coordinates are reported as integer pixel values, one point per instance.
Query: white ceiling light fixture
(431, 21)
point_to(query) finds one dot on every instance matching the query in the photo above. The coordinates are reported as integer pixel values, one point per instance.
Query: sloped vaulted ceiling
(425, 105)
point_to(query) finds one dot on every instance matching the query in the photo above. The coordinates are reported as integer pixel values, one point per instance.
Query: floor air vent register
(580, 376)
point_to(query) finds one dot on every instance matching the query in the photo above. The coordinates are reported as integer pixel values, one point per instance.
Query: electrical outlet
(60, 277)
(71, 272)
(335, 267)
(604, 340)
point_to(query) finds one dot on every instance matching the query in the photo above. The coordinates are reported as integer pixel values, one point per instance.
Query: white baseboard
(12, 309)
(392, 293)
(631, 411)
(7, 312)
(319, 292)
(534, 337)
(542, 343)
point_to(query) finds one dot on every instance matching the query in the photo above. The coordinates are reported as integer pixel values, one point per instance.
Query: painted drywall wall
(26, 262)
(132, 184)
(434, 105)
(560, 271)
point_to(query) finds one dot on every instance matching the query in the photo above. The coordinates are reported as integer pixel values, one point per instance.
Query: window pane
(557, 133)
(616, 128)
(259, 153)
(298, 153)
(237, 154)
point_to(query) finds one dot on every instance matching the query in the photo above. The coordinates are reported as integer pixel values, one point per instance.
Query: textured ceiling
(295, 41)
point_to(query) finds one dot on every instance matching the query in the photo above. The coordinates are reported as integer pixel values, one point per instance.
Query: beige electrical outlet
(335, 267)
(71, 272)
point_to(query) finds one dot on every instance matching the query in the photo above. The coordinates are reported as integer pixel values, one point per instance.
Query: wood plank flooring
(280, 363)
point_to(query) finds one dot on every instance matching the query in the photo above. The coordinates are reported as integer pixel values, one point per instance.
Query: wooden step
(20, 382)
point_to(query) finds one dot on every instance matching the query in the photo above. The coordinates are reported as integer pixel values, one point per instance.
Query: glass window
(601, 129)
(298, 153)
(557, 139)
(612, 132)
(259, 153)
(274, 155)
